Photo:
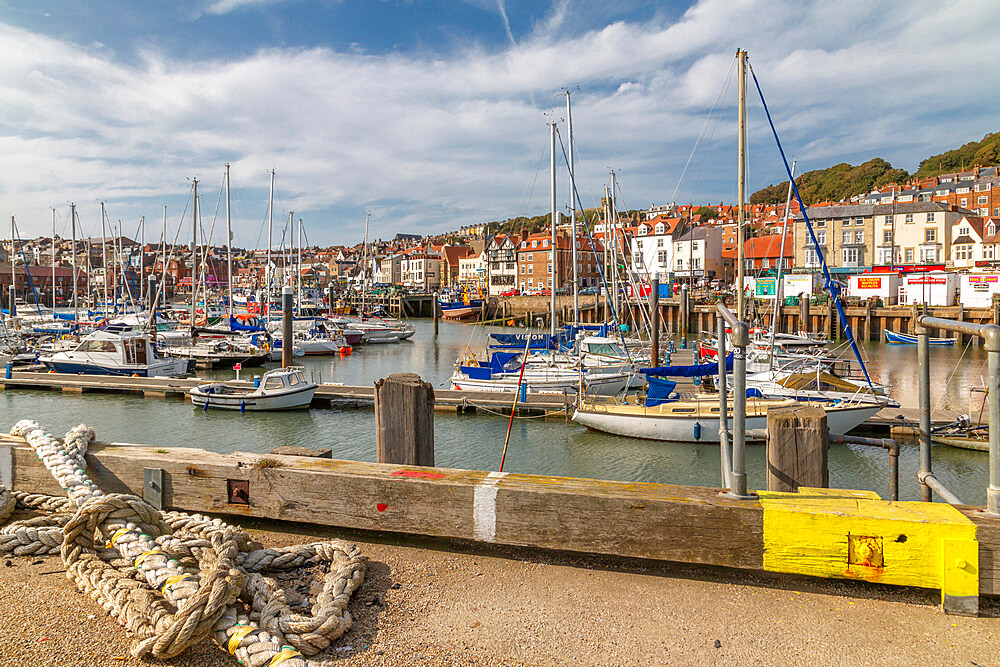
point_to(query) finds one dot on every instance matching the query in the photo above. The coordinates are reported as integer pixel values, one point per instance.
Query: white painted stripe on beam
(484, 508)
(6, 466)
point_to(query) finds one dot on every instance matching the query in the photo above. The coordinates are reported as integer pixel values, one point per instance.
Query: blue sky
(431, 115)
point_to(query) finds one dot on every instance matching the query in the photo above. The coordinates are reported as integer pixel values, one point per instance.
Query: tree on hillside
(984, 153)
(835, 183)
(707, 213)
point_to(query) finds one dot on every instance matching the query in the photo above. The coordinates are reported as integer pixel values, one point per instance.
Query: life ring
(471, 361)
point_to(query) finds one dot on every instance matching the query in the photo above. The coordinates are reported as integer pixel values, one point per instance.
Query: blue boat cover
(659, 391)
(697, 370)
(499, 361)
(64, 316)
(477, 372)
(236, 325)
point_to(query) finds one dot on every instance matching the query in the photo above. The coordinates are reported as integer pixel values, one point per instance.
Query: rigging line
(941, 397)
(530, 188)
(593, 247)
(24, 259)
(173, 248)
(831, 287)
(722, 92)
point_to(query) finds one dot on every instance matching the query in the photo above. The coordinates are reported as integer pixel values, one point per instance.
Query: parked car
(548, 292)
(511, 292)
(562, 290)
(588, 291)
(532, 291)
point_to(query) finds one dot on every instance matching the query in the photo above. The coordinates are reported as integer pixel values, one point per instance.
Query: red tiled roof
(760, 247)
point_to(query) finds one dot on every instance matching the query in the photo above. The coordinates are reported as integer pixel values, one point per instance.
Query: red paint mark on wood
(418, 474)
(381, 507)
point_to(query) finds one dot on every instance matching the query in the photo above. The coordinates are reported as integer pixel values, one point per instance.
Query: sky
(430, 115)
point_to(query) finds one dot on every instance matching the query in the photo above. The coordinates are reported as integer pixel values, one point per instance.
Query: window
(694, 246)
(276, 383)
(661, 257)
(529, 256)
(928, 255)
(846, 237)
(680, 264)
(748, 264)
(812, 259)
(926, 197)
(859, 236)
(696, 263)
(637, 258)
(886, 256)
(886, 236)
(548, 268)
(820, 223)
(545, 243)
(548, 255)
(765, 263)
(659, 228)
(908, 255)
(850, 256)
(982, 199)
(965, 202)
(639, 243)
(930, 235)
(930, 217)
(531, 269)
(659, 243)
(909, 218)
(534, 244)
(821, 238)
(888, 220)
(941, 193)
(859, 221)
(963, 231)
(987, 252)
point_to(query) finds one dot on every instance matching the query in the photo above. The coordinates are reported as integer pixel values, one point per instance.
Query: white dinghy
(280, 389)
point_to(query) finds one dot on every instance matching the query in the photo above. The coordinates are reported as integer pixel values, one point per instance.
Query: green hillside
(984, 153)
(842, 181)
(834, 183)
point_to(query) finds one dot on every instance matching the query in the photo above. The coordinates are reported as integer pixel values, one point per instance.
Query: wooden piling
(804, 324)
(797, 442)
(404, 420)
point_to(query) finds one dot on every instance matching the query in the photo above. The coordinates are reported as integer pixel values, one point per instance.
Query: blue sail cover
(70, 317)
(659, 391)
(236, 325)
(538, 341)
(499, 361)
(697, 370)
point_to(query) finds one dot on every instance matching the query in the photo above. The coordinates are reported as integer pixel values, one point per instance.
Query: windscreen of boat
(96, 346)
(274, 383)
(607, 349)
(820, 382)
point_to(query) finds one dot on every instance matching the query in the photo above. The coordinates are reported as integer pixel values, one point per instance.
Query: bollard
(797, 444)
(8, 373)
(804, 325)
(434, 307)
(287, 344)
(404, 420)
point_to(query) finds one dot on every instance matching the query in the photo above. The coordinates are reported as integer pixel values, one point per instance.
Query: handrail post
(924, 372)
(991, 336)
(727, 465)
(739, 475)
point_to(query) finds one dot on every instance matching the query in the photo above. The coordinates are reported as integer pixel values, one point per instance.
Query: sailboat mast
(572, 208)
(552, 210)
(13, 274)
(53, 260)
(267, 265)
(298, 268)
(613, 211)
(287, 252)
(163, 265)
(364, 267)
(194, 258)
(72, 223)
(741, 188)
(778, 291)
(229, 248)
(104, 259)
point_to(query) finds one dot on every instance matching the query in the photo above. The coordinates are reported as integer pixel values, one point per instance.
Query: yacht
(115, 351)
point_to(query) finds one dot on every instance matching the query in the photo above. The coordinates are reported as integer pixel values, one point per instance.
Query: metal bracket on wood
(152, 486)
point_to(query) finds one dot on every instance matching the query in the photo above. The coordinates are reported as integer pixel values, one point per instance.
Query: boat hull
(295, 400)
(897, 338)
(700, 428)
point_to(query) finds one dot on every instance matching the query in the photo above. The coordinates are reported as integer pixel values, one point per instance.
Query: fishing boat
(456, 310)
(897, 338)
(280, 389)
(115, 351)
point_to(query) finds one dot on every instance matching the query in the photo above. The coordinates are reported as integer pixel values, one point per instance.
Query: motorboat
(897, 338)
(115, 351)
(279, 389)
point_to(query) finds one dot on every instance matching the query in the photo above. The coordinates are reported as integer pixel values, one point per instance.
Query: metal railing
(990, 333)
(885, 443)
(734, 475)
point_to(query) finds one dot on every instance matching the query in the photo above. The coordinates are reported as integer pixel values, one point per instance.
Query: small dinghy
(897, 338)
(280, 389)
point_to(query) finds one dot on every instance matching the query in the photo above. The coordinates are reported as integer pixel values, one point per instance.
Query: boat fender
(697, 430)
(205, 407)
(243, 407)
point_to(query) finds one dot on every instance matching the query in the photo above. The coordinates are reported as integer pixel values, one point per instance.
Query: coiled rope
(171, 578)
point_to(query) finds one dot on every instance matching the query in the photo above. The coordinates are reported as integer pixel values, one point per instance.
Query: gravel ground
(426, 604)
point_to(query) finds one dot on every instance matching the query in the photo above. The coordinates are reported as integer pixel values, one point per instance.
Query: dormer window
(545, 243)
(659, 228)
(991, 229)
(534, 244)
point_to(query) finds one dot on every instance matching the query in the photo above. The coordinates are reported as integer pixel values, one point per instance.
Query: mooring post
(654, 315)
(329, 298)
(286, 326)
(797, 443)
(741, 338)
(685, 315)
(804, 324)
(434, 307)
(924, 374)
(404, 420)
(869, 306)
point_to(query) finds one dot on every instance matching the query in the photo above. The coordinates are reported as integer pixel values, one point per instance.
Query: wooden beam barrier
(818, 532)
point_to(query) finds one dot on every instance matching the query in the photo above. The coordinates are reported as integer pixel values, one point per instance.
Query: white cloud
(226, 6)
(435, 142)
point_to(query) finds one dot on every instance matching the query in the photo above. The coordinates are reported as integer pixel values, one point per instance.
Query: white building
(652, 247)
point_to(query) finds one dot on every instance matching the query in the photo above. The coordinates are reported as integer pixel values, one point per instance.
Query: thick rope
(173, 579)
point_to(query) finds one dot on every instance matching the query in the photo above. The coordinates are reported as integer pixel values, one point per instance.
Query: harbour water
(538, 445)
